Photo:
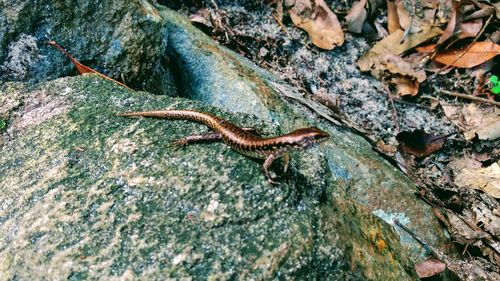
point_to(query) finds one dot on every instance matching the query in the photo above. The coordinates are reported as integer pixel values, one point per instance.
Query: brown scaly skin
(243, 140)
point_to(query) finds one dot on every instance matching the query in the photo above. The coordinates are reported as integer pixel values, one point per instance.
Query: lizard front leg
(267, 164)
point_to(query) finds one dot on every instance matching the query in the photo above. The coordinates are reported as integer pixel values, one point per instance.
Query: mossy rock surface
(218, 76)
(86, 195)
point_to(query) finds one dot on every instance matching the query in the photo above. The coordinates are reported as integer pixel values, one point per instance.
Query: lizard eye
(317, 137)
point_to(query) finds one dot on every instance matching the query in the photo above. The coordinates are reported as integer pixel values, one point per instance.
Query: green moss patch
(3, 125)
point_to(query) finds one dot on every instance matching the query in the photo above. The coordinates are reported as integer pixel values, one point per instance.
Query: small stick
(407, 31)
(418, 239)
(474, 98)
(394, 111)
(411, 104)
(280, 23)
(215, 5)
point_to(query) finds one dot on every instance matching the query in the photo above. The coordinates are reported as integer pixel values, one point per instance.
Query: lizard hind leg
(269, 161)
(198, 138)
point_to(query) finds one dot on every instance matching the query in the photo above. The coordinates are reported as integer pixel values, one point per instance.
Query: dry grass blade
(83, 68)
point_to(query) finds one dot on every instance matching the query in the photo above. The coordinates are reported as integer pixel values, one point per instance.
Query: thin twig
(215, 5)
(411, 104)
(418, 239)
(278, 16)
(469, 97)
(394, 111)
(469, 46)
(407, 31)
(280, 23)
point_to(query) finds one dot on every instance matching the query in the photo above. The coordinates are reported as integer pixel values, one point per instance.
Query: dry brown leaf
(482, 157)
(458, 29)
(397, 65)
(484, 179)
(485, 122)
(485, 11)
(403, 16)
(460, 26)
(429, 15)
(405, 19)
(417, 59)
(480, 81)
(433, 10)
(386, 148)
(202, 16)
(472, 119)
(469, 228)
(441, 9)
(319, 22)
(489, 131)
(356, 17)
(279, 10)
(405, 161)
(83, 68)
(470, 56)
(392, 45)
(405, 86)
(470, 29)
(404, 75)
(429, 267)
(426, 49)
(392, 17)
(452, 23)
(420, 143)
(466, 162)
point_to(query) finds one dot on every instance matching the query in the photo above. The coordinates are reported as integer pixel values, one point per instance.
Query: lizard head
(307, 137)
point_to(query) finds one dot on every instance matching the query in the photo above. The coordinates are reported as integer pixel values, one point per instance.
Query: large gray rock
(86, 195)
(218, 76)
(134, 38)
(122, 39)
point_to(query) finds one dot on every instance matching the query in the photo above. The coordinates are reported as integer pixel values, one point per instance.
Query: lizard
(244, 140)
